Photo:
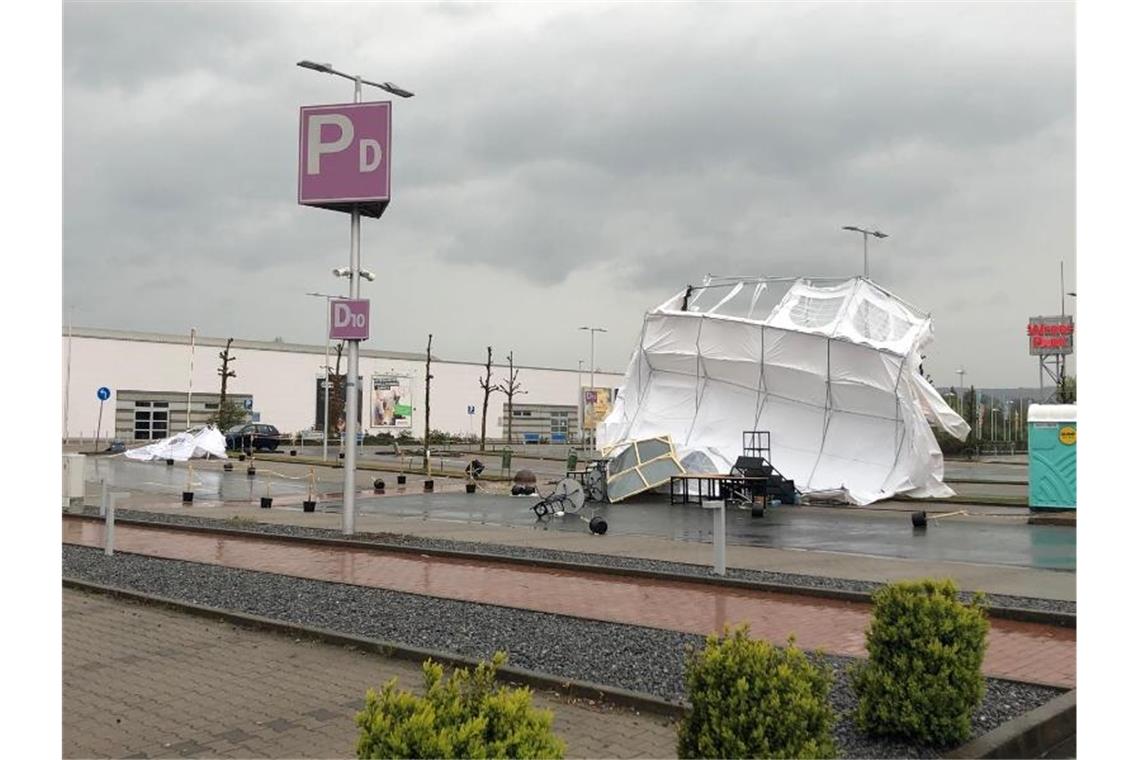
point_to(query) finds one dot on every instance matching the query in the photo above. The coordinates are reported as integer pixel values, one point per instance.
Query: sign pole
(325, 440)
(99, 426)
(348, 517)
(103, 394)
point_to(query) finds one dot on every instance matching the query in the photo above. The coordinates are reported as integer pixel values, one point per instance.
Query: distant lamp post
(592, 330)
(865, 233)
(328, 373)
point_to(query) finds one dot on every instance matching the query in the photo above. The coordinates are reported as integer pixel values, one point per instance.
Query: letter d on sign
(342, 315)
(367, 145)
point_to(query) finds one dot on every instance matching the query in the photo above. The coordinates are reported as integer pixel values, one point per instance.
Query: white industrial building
(151, 380)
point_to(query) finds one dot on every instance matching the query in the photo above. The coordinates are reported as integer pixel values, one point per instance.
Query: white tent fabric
(829, 367)
(193, 444)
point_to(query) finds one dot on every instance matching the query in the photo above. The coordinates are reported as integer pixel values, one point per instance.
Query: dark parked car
(252, 436)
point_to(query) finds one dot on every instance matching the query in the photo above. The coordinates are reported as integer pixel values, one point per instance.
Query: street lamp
(326, 68)
(328, 308)
(348, 511)
(865, 233)
(592, 330)
(961, 372)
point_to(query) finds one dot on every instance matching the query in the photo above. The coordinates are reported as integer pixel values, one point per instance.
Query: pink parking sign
(348, 319)
(343, 158)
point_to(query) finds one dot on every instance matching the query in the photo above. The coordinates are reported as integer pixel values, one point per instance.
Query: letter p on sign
(348, 319)
(344, 157)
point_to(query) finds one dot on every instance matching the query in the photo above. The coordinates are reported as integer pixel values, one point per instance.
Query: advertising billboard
(337, 384)
(1050, 335)
(596, 403)
(343, 157)
(391, 401)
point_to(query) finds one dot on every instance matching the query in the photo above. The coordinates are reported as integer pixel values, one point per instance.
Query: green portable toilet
(1052, 456)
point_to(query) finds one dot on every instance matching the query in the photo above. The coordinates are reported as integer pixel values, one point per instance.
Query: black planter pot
(266, 502)
(241, 457)
(598, 525)
(401, 479)
(309, 506)
(169, 462)
(470, 488)
(292, 452)
(340, 455)
(251, 471)
(228, 467)
(378, 484)
(429, 486)
(187, 497)
(918, 519)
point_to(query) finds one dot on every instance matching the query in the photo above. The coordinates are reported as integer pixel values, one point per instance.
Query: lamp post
(592, 330)
(328, 309)
(865, 233)
(348, 513)
(961, 372)
(67, 382)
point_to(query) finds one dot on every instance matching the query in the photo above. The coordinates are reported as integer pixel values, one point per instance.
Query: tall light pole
(67, 382)
(328, 310)
(592, 330)
(961, 372)
(865, 233)
(578, 402)
(190, 377)
(354, 273)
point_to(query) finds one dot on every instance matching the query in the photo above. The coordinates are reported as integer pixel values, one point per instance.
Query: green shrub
(463, 716)
(752, 699)
(923, 679)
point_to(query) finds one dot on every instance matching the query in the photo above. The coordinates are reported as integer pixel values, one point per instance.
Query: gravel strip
(578, 558)
(642, 659)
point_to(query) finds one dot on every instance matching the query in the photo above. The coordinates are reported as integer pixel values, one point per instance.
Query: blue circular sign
(248, 403)
(103, 393)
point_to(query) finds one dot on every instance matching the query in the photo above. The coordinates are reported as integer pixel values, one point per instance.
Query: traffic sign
(343, 161)
(348, 319)
(248, 404)
(103, 393)
(470, 409)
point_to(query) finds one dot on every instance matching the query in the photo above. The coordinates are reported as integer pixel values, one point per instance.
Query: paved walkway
(1019, 651)
(145, 682)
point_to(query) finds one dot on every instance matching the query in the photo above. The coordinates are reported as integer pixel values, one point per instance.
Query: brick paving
(140, 681)
(1019, 651)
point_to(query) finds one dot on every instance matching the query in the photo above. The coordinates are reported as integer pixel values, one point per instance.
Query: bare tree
(427, 405)
(511, 388)
(336, 393)
(228, 414)
(488, 389)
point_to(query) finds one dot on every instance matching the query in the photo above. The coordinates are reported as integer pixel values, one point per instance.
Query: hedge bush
(923, 679)
(752, 699)
(462, 716)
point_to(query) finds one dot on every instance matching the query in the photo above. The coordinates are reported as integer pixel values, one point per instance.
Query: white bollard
(718, 535)
(109, 528)
(104, 495)
(74, 484)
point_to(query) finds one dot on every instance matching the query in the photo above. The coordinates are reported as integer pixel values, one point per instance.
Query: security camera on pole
(345, 165)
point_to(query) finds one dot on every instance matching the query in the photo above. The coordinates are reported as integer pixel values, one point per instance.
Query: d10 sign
(344, 157)
(348, 319)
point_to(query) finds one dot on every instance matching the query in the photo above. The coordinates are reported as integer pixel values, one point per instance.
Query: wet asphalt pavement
(1001, 540)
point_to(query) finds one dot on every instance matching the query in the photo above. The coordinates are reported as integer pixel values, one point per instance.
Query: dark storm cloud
(635, 146)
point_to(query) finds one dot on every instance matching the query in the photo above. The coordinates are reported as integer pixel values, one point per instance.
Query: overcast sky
(567, 165)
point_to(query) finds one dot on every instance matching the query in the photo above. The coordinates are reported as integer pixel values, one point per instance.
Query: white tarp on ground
(829, 367)
(193, 444)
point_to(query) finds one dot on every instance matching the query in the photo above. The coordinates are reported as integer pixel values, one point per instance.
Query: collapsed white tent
(193, 444)
(829, 367)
